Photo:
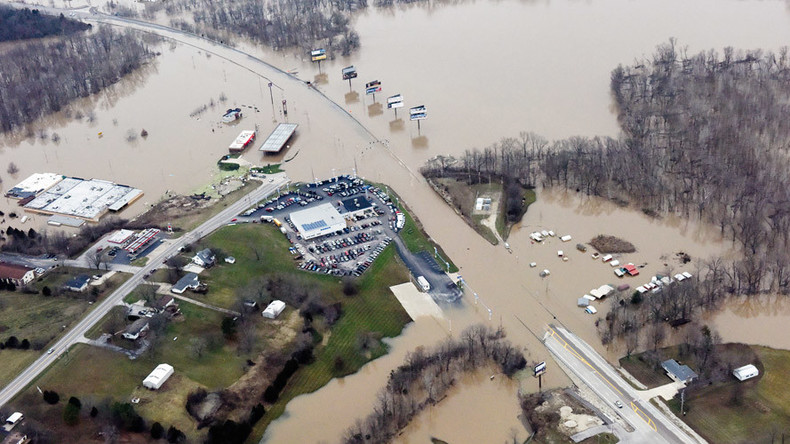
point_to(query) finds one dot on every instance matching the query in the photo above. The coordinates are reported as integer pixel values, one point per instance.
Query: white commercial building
(745, 372)
(274, 309)
(317, 221)
(158, 377)
(85, 199)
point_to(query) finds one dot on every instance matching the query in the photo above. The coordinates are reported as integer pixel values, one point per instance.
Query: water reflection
(397, 125)
(375, 109)
(352, 97)
(419, 142)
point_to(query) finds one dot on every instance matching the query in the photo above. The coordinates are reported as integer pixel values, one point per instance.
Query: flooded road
(484, 70)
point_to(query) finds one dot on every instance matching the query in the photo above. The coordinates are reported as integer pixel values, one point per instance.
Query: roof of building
(158, 375)
(78, 281)
(205, 255)
(16, 416)
(13, 271)
(162, 302)
(137, 326)
(746, 372)
(34, 184)
(317, 221)
(681, 372)
(242, 139)
(86, 199)
(189, 281)
(356, 204)
(274, 143)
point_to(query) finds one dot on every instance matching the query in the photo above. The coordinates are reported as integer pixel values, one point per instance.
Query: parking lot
(371, 222)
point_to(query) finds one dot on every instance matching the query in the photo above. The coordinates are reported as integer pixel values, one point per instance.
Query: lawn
(502, 226)
(42, 319)
(375, 309)
(260, 250)
(95, 373)
(749, 411)
(644, 372)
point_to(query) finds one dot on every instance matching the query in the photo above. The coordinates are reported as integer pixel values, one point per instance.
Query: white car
(49, 352)
(618, 404)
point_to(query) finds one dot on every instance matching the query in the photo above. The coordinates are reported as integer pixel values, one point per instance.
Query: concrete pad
(667, 391)
(193, 268)
(103, 278)
(415, 302)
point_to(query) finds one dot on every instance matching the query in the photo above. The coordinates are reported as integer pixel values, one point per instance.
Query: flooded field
(485, 70)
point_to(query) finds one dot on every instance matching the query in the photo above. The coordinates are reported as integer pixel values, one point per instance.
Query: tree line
(39, 78)
(425, 378)
(703, 136)
(26, 23)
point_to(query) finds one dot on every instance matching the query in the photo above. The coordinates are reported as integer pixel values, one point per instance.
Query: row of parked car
(331, 245)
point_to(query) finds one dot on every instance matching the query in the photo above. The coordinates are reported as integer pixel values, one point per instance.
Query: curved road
(76, 334)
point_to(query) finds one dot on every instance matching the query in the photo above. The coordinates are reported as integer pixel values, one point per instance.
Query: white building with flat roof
(318, 221)
(158, 377)
(746, 372)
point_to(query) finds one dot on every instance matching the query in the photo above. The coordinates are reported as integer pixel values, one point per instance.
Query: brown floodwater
(485, 70)
(760, 320)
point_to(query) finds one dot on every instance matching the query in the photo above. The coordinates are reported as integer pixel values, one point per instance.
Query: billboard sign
(418, 113)
(373, 87)
(395, 101)
(317, 55)
(540, 369)
(349, 73)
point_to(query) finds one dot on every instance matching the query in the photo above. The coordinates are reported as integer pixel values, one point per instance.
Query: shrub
(71, 414)
(157, 431)
(51, 397)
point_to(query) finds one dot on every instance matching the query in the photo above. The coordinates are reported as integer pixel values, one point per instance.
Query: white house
(136, 329)
(158, 377)
(745, 372)
(204, 258)
(18, 274)
(274, 309)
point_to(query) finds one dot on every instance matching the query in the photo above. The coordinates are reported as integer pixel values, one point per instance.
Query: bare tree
(12, 168)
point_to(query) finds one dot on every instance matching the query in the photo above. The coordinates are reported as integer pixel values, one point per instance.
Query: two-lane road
(77, 333)
(649, 423)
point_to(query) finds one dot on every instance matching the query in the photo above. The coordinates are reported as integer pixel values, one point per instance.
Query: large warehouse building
(317, 221)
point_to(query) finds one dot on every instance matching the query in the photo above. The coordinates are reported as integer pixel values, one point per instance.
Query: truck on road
(423, 283)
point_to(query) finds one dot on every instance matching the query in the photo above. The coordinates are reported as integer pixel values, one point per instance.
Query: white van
(423, 283)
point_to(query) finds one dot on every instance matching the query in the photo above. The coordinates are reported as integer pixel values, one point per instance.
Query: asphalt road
(76, 334)
(649, 423)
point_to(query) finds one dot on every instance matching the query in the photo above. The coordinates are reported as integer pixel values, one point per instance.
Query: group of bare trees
(704, 136)
(38, 78)
(424, 379)
(276, 23)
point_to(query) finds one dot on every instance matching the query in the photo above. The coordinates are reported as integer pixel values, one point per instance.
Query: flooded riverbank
(512, 66)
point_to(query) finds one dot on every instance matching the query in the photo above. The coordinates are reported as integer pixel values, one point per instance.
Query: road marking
(643, 415)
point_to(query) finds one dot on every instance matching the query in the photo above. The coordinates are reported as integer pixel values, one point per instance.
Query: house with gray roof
(204, 258)
(188, 282)
(680, 373)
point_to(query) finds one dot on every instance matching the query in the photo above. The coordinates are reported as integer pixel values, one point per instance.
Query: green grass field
(41, 319)
(92, 373)
(501, 222)
(416, 240)
(761, 410)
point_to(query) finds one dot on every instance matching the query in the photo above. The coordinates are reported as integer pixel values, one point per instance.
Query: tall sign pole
(372, 88)
(395, 102)
(317, 55)
(349, 72)
(418, 113)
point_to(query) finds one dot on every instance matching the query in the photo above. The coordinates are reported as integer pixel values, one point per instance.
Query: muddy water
(541, 66)
(758, 320)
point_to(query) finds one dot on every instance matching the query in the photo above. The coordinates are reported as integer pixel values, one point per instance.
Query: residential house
(679, 373)
(19, 275)
(136, 329)
(190, 281)
(77, 283)
(204, 258)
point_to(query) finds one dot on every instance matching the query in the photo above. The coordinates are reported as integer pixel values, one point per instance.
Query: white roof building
(274, 309)
(158, 377)
(318, 221)
(745, 372)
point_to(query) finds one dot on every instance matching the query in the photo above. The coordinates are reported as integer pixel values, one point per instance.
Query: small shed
(14, 418)
(566, 238)
(274, 309)
(582, 302)
(230, 260)
(158, 376)
(746, 372)
(581, 247)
